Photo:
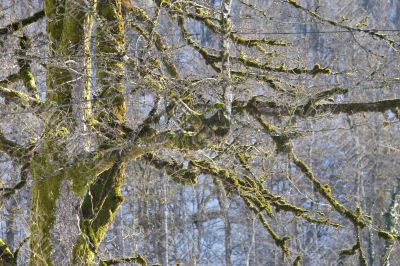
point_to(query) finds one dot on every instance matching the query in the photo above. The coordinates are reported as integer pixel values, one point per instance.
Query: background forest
(215, 132)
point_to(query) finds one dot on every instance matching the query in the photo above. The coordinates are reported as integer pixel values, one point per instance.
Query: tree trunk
(68, 26)
(104, 196)
(65, 36)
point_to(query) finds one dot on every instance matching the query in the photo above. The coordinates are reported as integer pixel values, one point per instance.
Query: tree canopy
(231, 93)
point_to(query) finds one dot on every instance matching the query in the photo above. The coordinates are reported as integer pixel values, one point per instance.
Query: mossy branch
(202, 15)
(178, 173)
(26, 74)
(392, 221)
(209, 58)
(15, 151)
(253, 63)
(15, 26)
(21, 99)
(312, 107)
(283, 144)
(357, 247)
(98, 209)
(150, 33)
(7, 258)
(140, 260)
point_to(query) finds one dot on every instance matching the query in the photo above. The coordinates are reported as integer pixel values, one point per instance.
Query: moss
(147, 132)
(325, 191)
(254, 42)
(157, 86)
(81, 176)
(297, 261)
(25, 65)
(280, 242)
(244, 160)
(140, 260)
(219, 123)
(251, 62)
(351, 251)
(162, 3)
(110, 73)
(387, 235)
(7, 258)
(318, 70)
(325, 222)
(45, 193)
(54, 11)
(209, 58)
(185, 140)
(59, 87)
(99, 207)
(72, 37)
(184, 176)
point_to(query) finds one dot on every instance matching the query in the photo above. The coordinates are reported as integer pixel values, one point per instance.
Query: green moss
(185, 140)
(7, 258)
(81, 176)
(99, 207)
(110, 47)
(25, 65)
(219, 123)
(157, 86)
(184, 176)
(54, 11)
(45, 193)
(297, 261)
(387, 235)
(325, 191)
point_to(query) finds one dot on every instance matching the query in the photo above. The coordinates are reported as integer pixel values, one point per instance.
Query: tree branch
(22, 23)
(12, 149)
(392, 221)
(20, 98)
(8, 192)
(25, 72)
(313, 108)
(283, 144)
(6, 256)
(313, 14)
(138, 259)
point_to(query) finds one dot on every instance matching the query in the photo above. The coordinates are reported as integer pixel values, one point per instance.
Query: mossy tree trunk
(103, 199)
(68, 26)
(65, 20)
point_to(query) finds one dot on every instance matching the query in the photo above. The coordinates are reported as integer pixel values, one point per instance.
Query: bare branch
(371, 32)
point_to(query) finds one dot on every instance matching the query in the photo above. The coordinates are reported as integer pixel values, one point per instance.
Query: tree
(214, 121)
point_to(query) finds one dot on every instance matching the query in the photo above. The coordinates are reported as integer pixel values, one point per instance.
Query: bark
(222, 200)
(104, 197)
(65, 20)
(226, 26)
